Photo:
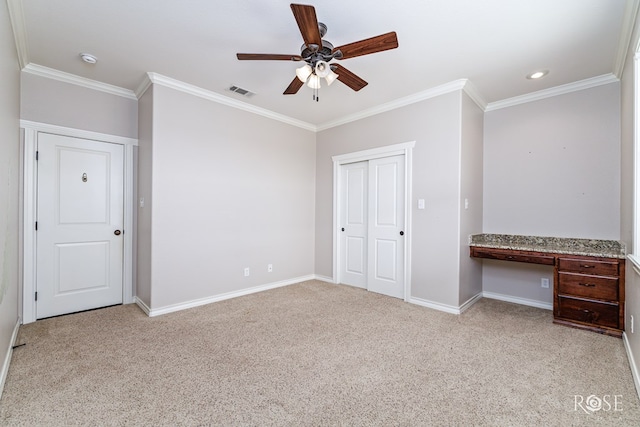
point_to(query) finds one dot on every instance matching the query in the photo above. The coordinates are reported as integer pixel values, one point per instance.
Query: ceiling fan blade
(308, 23)
(348, 78)
(294, 87)
(267, 56)
(372, 45)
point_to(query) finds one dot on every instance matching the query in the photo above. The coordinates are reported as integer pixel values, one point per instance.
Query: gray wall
(144, 214)
(230, 190)
(54, 102)
(435, 126)
(471, 178)
(551, 168)
(9, 184)
(632, 285)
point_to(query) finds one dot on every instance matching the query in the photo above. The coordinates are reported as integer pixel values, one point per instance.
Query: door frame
(29, 207)
(405, 149)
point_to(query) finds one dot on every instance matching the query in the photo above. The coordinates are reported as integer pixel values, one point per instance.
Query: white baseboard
(632, 363)
(152, 312)
(474, 299)
(326, 279)
(144, 307)
(518, 300)
(7, 359)
(452, 309)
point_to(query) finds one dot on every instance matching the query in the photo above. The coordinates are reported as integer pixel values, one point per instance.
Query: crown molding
(39, 70)
(143, 86)
(161, 80)
(398, 103)
(554, 91)
(473, 93)
(16, 16)
(628, 21)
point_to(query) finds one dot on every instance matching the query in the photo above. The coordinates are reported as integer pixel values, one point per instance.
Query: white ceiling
(493, 43)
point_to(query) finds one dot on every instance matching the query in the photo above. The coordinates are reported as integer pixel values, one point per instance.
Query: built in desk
(588, 279)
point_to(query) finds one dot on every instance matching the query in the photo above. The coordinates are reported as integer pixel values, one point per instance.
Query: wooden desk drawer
(583, 285)
(588, 266)
(507, 255)
(591, 312)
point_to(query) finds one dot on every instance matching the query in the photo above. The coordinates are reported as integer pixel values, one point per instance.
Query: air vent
(241, 91)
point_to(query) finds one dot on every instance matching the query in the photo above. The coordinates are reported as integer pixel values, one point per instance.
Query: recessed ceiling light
(88, 58)
(537, 74)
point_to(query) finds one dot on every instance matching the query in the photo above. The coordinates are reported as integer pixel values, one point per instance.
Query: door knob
(117, 232)
(342, 228)
(402, 233)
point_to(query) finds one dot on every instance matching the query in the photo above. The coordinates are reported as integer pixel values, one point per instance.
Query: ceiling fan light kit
(318, 53)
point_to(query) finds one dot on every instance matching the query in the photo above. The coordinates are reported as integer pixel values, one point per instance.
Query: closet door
(372, 211)
(354, 216)
(385, 229)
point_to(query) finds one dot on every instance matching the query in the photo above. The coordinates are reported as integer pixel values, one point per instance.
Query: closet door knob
(402, 233)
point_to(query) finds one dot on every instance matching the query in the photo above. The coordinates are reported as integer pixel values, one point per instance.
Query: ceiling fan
(316, 53)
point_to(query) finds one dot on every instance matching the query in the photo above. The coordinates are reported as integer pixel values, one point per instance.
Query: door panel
(385, 257)
(353, 220)
(386, 223)
(80, 206)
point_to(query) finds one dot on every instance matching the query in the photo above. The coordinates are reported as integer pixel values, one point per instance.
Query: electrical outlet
(246, 272)
(270, 268)
(544, 282)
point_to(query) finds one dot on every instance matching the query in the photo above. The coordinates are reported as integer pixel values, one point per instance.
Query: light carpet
(316, 354)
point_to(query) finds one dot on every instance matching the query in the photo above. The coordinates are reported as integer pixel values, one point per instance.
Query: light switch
(466, 203)
(420, 203)
(142, 202)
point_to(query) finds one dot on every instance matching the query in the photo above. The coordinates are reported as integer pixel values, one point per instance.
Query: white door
(79, 225)
(372, 211)
(386, 226)
(354, 216)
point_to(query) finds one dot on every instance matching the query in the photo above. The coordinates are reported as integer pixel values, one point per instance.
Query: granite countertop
(558, 245)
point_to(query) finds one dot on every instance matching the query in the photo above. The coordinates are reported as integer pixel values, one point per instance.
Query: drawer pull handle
(587, 266)
(588, 285)
(586, 311)
(510, 257)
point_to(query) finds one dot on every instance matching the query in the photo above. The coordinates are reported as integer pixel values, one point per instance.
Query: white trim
(324, 279)
(474, 299)
(7, 358)
(553, 91)
(398, 103)
(373, 153)
(451, 309)
(30, 179)
(143, 306)
(152, 312)
(129, 231)
(632, 363)
(635, 263)
(473, 93)
(518, 300)
(16, 16)
(143, 86)
(628, 21)
(42, 71)
(636, 156)
(30, 169)
(405, 149)
(220, 99)
(77, 133)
